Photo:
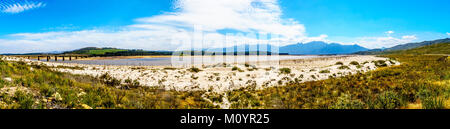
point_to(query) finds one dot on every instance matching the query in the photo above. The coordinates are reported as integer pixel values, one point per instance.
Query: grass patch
(237, 69)
(285, 70)
(380, 63)
(170, 68)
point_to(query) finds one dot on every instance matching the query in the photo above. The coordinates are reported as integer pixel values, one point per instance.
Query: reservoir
(186, 60)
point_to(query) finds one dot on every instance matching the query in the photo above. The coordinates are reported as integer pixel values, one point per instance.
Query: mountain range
(320, 48)
(310, 48)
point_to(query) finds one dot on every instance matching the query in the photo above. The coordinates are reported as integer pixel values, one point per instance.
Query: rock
(8, 79)
(85, 106)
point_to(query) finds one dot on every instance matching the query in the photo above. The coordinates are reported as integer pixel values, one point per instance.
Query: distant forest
(93, 51)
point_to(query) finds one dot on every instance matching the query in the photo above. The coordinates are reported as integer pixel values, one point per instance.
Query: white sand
(218, 78)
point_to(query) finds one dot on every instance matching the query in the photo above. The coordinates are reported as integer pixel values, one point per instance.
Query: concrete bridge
(54, 57)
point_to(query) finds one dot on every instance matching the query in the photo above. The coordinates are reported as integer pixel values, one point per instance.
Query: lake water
(176, 60)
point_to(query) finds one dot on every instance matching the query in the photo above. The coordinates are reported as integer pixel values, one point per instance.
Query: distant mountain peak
(320, 48)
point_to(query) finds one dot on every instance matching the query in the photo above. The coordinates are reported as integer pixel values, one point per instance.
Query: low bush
(237, 68)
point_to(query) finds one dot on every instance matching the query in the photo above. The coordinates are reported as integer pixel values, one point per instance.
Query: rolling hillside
(310, 48)
(93, 51)
(320, 48)
(402, 47)
(415, 45)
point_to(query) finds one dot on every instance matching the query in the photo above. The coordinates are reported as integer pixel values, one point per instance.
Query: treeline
(134, 53)
(184, 53)
(93, 51)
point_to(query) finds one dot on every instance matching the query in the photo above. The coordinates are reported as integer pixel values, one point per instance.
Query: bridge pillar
(56, 58)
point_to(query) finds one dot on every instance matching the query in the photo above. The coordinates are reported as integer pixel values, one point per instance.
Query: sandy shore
(123, 57)
(221, 78)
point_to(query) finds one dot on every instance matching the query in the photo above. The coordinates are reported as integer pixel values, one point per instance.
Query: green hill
(93, 51)
(441, 48)
(403, 47)
(416, 45)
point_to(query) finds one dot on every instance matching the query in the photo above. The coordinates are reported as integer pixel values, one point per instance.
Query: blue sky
(59, 25)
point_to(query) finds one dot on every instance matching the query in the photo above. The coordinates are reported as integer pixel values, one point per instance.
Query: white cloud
(319, 38)
(448, 33)
(409, 37)
(379, 42)
(21, 7)
(389, 33)
(158, 32)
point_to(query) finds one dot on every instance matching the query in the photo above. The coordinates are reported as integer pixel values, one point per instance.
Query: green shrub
(194, 69)
(433, 103)
(109, 80)
(170, 68)
(25, 100)
(359, 66)
(392, 62)
(380, 63)
(236, 68)
(285, 70)
(80, 91)
(346, 102)
(387, 100)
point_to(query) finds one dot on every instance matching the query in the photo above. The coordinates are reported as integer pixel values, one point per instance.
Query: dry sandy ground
(221, 78)
(122, 57)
